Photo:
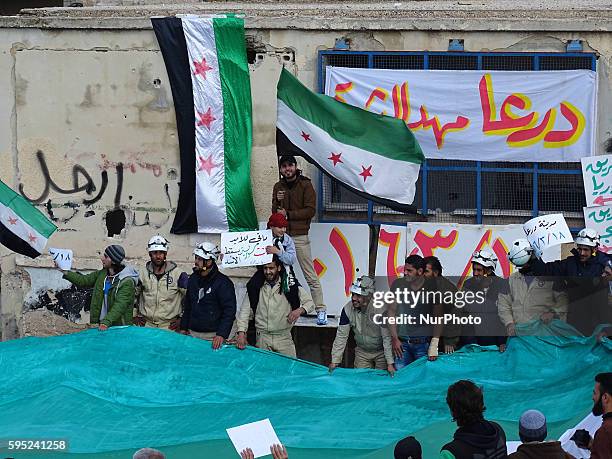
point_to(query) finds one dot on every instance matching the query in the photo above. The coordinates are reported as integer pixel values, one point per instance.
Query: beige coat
(272, 310)
(524, 303)
(368, 336)
(160, 301)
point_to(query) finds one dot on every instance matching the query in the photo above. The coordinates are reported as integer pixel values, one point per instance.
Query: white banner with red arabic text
(479, 115)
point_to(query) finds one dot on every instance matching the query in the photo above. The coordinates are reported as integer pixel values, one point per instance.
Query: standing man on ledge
(294, 197)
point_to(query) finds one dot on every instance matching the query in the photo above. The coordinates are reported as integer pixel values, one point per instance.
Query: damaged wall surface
(88, 130)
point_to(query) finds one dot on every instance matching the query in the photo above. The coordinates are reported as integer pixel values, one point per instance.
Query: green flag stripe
(238, 122)
(380, 134)
(26, 211)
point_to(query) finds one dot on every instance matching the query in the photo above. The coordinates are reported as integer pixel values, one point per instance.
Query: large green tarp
(110, 393)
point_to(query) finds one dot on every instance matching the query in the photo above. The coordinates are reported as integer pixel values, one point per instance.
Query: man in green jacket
(112, 299)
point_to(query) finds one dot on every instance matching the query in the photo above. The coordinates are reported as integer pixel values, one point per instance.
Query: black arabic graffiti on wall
(89, 187)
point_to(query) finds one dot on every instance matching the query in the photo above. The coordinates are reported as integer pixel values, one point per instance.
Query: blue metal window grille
(464, 191)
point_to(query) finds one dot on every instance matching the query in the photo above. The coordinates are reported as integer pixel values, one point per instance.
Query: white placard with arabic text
(547, 231)
(597, 176)
(245, 248)
(599, 218)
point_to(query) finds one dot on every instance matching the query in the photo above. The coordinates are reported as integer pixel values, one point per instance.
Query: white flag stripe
(208, 101)
(389, 177)
(21, 229)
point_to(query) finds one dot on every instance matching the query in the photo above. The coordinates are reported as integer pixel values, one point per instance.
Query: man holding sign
(580, 275)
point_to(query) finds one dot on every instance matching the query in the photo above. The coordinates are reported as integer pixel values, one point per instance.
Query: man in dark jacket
(476, 438)
(491, 331)
(210, 302)
(533, 432)
(112, 298)
(580, 275)
(294, 197)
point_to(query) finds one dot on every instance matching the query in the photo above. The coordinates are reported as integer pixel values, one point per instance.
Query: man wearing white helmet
(528, 298)
(491, 331)
(210, 302)
(373, 348)
(580, 276)
(160, 288)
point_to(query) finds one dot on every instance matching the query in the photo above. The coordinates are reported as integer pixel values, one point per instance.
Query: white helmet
(363, 285)
(588, 237)
(485, 258)
(207, 250)
(158, 243)
(520, 252)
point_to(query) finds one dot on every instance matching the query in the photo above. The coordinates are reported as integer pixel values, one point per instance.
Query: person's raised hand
(279, 452)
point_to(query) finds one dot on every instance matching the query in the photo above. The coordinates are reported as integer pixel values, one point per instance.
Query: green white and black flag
(209, 76)
(23, 228)
(375, 156)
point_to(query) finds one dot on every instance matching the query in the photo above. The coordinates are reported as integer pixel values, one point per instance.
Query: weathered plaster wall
(88, 132)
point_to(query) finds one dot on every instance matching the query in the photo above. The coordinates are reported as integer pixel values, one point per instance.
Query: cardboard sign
(63, 258)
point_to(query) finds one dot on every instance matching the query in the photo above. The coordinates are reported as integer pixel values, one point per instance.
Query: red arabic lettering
(524, 131)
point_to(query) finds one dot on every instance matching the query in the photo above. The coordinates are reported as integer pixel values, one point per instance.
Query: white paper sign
(599, 218)
(547, 231)
(246, 248)
(63, 258)
(597, 176)
(259, 436)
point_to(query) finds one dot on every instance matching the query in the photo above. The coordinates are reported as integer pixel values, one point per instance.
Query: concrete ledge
(520, 15)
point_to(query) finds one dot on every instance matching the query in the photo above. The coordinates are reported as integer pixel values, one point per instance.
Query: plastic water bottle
(321, 318)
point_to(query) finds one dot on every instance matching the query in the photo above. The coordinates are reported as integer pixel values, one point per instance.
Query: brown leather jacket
(300, 202)
(602, 443)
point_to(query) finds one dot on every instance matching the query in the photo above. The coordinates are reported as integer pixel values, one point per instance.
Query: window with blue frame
(465, 191)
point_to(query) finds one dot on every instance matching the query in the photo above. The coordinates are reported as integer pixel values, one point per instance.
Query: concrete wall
(88, 128)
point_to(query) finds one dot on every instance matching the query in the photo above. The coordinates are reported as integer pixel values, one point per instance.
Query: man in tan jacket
(277, 306)
(528, 298)
(295, 198)
(160, 289)
(373, 348)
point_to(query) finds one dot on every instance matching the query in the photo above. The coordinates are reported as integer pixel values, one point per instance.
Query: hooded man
(112, 298)
(210, 303)
(294, 197)
(475, 438)
(580, 275)
(161, 289)
(373, 348)
(533, 432)
(527, 297)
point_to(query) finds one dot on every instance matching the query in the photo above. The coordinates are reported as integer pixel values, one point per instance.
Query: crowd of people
(478, 438)
(574, 290)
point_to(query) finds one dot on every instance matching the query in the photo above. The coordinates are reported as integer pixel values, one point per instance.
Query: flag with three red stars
(209, 77)
(23, 228)
(376, 156)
